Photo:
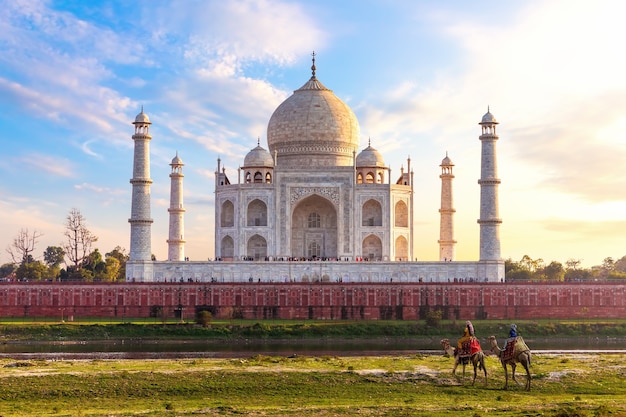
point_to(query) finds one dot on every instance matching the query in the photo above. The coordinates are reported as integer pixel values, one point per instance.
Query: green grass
(296, 329)
(563, 385)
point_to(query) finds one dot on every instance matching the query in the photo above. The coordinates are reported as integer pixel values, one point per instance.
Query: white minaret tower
(489, 220)
(176, 242)
(140, 220)
(446, 223)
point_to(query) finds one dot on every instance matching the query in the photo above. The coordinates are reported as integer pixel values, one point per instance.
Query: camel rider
(464, 347)
(512, 337)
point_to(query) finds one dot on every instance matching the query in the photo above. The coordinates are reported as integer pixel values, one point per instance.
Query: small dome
(258, 157)
(489, 118)
(177, 160)
(142, 118)
(447, 161)
(369, 157)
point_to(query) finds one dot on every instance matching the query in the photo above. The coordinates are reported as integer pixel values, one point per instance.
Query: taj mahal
(312, 207)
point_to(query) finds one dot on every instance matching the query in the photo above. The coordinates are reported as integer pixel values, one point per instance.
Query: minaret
(489, 220)
(176, 242)
(140, 220)
(446, 223)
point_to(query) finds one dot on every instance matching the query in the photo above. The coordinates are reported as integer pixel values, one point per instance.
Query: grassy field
(563, 385)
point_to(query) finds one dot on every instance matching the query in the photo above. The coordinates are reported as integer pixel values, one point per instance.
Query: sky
(419, 75)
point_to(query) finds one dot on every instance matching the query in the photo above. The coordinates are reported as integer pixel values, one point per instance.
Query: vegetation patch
(261, 385)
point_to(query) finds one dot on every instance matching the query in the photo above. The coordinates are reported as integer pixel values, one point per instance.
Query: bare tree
(23, 245)
(78, 238)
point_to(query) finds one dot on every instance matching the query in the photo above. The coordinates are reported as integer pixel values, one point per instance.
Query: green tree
(95, 263)
(7, 269)
(31, 271)
(554, 271)
(122, 257)
(54, 256)
(111, 270)
(517, 271)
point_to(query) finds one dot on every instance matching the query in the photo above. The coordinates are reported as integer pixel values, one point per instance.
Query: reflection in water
(120, 349)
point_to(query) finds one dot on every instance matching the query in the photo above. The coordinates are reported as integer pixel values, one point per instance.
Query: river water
(156, 349)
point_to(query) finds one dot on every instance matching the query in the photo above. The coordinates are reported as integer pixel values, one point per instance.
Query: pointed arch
(256, 213)
(372, 213)
(401, 214)
(314, 220)
(372, 248)
(402, 249)
(227, 247)
(256, 247)
(227, 215)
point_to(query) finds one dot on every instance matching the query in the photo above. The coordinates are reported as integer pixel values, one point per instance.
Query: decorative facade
(311, 207)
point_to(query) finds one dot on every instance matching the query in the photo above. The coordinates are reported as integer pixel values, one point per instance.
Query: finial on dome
(142, 108)
(369, 141)
(258, 141)
(313, 66)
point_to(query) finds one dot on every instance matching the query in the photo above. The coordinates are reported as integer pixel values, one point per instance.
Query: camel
(523, 357)
(477, 359)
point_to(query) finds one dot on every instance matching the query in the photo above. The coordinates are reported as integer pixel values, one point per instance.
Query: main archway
(314, 229)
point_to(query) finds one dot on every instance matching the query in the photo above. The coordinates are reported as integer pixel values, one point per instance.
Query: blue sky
(419, 75)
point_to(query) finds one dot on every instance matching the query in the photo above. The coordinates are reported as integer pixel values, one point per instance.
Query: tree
(572, 263)
(531, 264)
(517, 271)
(78, 239)
(7, 269)
(31, 271)
(54, 256)
(121, 255)
(554, 271)
(620, 264)
(111, 269)
(23, 245)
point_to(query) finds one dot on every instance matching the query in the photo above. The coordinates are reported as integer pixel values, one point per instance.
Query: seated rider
(512, 335)
(463, 345)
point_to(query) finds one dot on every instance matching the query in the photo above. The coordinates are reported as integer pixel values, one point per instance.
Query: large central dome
(313, 128)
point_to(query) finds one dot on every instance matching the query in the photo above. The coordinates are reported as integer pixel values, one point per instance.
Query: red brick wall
(315, 301)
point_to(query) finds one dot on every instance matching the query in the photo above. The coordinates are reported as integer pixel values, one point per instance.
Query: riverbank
(299, 330)
(396, 385)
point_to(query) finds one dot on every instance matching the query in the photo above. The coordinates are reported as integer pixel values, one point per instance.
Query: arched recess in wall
(314, 224)
(257, 247)
(401, 214)
(402, 249)
(227, 218)
(257, 213)
(372, 248)
(372, 213)
(228, 248)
